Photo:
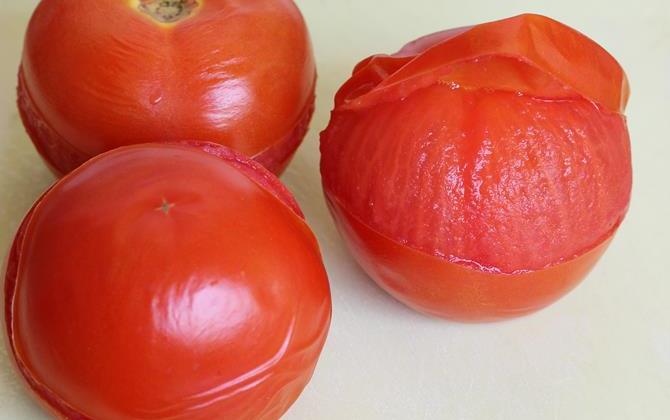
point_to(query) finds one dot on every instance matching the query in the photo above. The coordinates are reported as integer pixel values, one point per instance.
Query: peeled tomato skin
(436, 287)
(214, 308)
(99, 75)
(561, 53)
(480, 172)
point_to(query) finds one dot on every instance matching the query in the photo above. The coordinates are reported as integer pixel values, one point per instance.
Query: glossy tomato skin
(104, 74)
(136, 291)
(473, 174)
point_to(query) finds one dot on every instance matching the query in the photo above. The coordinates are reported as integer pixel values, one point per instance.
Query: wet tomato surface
(99, 75)
(480, 172)
(165, 281)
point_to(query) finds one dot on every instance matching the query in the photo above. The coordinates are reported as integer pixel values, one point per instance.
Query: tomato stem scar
(165, 206)
(167, 11)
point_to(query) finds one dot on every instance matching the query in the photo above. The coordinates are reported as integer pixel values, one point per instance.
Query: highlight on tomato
(166, 281)
(96, 75)
(480, 172)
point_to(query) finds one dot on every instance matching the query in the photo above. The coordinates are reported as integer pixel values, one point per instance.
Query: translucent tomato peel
(548, 49)
(208, 75)
(499, 147)
(158, 281)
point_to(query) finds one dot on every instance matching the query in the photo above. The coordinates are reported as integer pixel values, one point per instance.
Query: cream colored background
(603, 352)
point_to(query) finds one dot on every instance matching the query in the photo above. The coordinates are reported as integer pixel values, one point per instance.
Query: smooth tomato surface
(498, 152)
(160, 281)
(96, 75)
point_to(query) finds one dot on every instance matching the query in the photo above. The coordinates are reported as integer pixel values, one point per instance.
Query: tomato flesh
(500, 181)
(161, 281)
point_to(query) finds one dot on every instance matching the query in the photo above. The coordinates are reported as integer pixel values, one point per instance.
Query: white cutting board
(602, 352)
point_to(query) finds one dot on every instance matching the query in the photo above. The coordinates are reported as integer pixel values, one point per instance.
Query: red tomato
(158, 281)
(480, 172)
(96, 75)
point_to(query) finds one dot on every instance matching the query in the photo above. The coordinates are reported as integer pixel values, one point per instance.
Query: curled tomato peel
(551, 53)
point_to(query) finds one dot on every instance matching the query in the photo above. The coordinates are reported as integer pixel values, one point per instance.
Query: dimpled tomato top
(501, 146)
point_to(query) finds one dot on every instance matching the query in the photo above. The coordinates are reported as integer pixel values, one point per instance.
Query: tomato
(96, 75)
(160, 281)
(480, 172)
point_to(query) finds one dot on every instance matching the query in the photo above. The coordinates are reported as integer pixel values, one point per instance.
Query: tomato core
(167, 11)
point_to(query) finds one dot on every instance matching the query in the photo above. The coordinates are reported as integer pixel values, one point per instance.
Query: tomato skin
(135, 291)
(553, 61)
(474, 175)
(100, 75)
(444, 289)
